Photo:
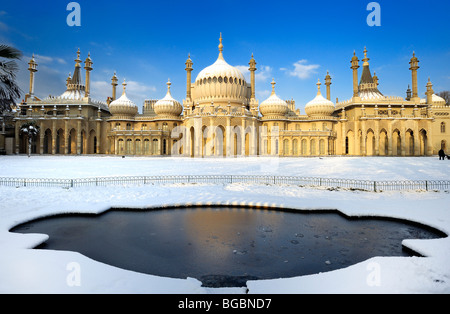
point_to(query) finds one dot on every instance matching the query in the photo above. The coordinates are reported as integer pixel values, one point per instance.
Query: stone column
(243, 137)
(54, 136)
(78, 137)
(228, 137)
(97, 134)
(41, 137)
(17, 136)
(66, 136)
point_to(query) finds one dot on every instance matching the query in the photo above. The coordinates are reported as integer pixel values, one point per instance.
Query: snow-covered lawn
(23, 270)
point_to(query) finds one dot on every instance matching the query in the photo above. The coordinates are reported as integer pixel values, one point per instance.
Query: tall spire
(252, 70)
(328, 83)
(76, 78)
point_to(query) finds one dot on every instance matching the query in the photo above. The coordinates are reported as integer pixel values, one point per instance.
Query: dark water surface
(226, 246)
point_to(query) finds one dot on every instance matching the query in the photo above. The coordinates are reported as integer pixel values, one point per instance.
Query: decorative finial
(273, 86)
(124, 84)
(318, 87)
(220, 45)
(366, 63)
(168, 85)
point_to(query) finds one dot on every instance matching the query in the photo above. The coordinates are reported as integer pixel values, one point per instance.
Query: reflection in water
(226, 246)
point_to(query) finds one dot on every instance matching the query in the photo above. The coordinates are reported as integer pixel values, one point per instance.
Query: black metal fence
(365, 185)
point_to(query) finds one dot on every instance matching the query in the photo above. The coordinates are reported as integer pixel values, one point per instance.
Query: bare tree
(446, 95)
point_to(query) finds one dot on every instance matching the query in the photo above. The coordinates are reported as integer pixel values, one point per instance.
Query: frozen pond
(225, 247)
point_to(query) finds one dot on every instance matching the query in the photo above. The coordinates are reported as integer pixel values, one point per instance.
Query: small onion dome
(436, 100)
(319, 106)
(123, 105)
(273, 106)
(168, 106)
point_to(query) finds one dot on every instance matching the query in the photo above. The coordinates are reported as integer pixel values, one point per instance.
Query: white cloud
(263, 94)
(302, 69)
(136, 91)
(139, 88)
(262, 73)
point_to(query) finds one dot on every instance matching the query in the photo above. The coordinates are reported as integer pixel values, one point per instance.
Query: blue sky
(294, 42)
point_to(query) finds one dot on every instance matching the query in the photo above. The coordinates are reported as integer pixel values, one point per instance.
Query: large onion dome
(220, 81)
(273, 106)
(168, 106)
(123, 105)
(319, 106)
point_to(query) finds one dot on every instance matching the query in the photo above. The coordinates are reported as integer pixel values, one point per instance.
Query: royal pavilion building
(221, 116)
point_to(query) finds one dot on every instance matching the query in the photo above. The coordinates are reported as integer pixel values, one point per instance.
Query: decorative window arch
(442, 127)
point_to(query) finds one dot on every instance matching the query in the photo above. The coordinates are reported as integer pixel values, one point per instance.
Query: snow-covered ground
(23, 270)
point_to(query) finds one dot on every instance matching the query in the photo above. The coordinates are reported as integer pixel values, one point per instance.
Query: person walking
(441, 154)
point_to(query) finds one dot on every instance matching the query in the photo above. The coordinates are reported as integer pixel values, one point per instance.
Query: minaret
(355, 67)
(32, 67)
(328, 83)
(68, 79)
(429, 92)
(88, 67)
(114, 84)
(408, 94)
(375, 79)
(188, 69)
(252, 70)
(414, 66)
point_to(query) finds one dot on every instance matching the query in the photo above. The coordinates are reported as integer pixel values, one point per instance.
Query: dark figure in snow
(441, 154)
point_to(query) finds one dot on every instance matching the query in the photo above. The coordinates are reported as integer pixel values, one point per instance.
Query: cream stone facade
(221, 116)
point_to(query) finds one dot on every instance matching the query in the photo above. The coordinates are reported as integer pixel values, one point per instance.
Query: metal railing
(364, 185)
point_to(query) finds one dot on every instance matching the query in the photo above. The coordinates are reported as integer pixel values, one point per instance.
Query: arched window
(442, 127)
(144, 127)
(128, 126)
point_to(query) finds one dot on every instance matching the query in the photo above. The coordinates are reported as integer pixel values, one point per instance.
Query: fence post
(71, 183)
(374, 186)
(231, 179)
(426, 185)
